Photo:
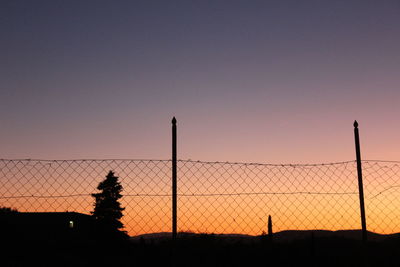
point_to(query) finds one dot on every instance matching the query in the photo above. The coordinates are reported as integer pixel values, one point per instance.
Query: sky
(249, 81)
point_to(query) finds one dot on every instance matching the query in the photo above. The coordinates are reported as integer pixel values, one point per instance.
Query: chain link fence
(213, 197)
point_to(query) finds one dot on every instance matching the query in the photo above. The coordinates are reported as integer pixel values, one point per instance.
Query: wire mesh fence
(213, 197)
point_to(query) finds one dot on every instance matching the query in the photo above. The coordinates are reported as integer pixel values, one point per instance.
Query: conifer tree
(107, 208)
(269, 227)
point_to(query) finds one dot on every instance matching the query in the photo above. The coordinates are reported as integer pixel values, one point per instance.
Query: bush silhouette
(7, 210)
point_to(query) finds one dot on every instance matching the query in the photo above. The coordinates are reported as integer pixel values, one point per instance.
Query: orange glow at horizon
(213, 197)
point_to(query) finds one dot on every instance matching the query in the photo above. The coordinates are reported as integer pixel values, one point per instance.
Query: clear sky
(259, 81)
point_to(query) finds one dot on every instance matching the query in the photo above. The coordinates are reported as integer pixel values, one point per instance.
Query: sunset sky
(253, 81)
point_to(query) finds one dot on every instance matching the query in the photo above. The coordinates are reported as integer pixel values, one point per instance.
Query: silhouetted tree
(107, 208)
(269, 227)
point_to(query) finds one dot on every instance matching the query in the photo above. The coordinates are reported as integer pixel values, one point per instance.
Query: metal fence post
(360, 183)
(174, 172)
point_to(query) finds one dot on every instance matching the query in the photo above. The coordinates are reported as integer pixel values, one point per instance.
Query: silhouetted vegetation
(7, 210)
(269, 227)
(198, 250)
(107, 208)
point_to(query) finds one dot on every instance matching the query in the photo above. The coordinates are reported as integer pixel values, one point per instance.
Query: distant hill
(291, 235)
(162, 236)
(283, 236)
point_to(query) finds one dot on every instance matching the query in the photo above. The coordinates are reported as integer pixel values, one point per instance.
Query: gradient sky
(264, 81)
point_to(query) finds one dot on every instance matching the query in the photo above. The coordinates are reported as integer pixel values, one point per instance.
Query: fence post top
(174, 120)
(355, 124)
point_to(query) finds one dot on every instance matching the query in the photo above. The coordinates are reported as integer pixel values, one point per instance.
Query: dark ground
(204, 250)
